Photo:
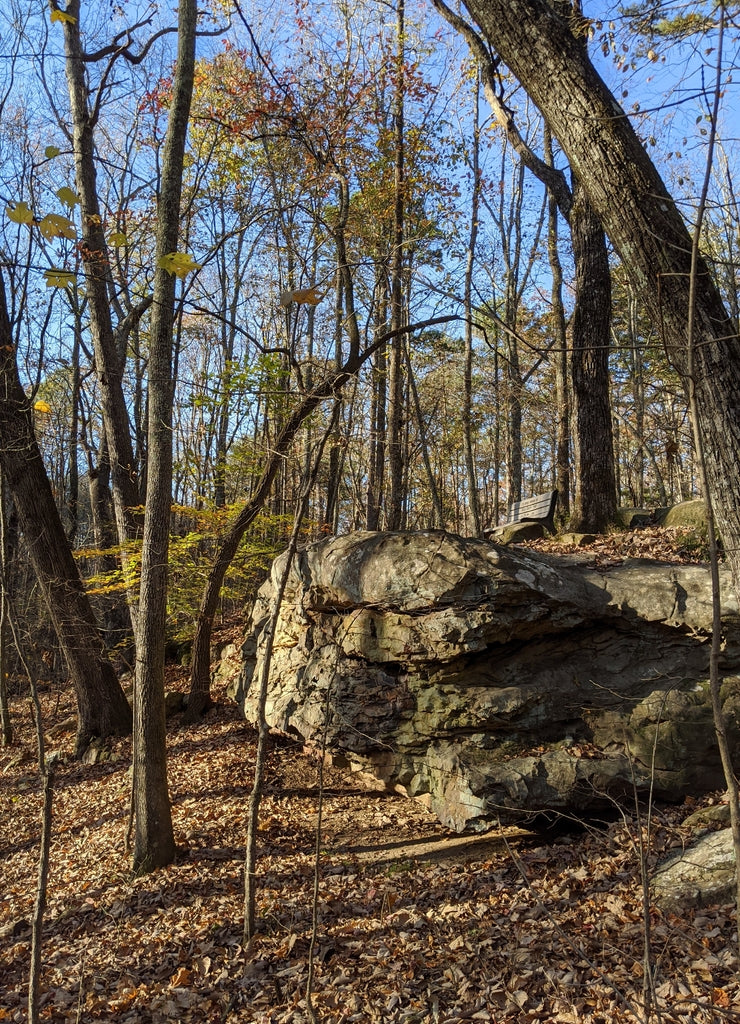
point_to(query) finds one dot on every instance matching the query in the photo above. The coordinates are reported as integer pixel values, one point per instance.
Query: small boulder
(174, 703)
(698, 875)
(688, 514)
(708, 817)
(632, 518)
(578, 540)
(516, 533)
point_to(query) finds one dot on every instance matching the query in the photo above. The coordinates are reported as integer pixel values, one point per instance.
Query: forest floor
(414, 924)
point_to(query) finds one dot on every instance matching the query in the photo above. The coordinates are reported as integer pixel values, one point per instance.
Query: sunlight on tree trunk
(154, 843)
(475, 527)
(396, 390)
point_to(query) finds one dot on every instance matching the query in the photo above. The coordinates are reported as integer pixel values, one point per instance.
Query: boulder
(577, 540)
(517, 533)
(632, 518)
(495, 682)
(699, 875)
(688, 515)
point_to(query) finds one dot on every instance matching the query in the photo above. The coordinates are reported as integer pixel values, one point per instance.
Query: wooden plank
(540, 508)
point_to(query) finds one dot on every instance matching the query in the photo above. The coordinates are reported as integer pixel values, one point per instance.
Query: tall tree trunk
(6, 726)
(102, 706)
(330, 517)
(154, 840)
(395, 446)
(376, 458)
(595, 499)
(513, 399)
(436, 519)
(641, 219)
(560, 360)
(229, 312)
(637, 379)
(73, 493)
(467, 411)
(94, 252)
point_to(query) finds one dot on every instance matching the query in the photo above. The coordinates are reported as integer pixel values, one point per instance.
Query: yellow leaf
(117, 238)
(42, 406)
(182, 979)
(68, 196)
(56, 278)
(55, 226)
(19, 213)
(57, 15)
(179, 263)
(309, 296)
(51, 151)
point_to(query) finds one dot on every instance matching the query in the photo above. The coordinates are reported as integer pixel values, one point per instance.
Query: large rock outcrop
(495, 681)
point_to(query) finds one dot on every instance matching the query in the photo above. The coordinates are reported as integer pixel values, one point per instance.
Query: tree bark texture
(395, 452)
(628, 195)
(562, 430)
(6, 726)
(595, 498)
(102, 706)
(154, 843)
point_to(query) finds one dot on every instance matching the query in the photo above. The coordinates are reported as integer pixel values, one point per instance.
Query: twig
(715, 681)
(317, 863)
(46, 773)
(37, 922)
(255, 797)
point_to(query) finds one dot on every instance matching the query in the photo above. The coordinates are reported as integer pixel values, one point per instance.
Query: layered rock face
(495, 682)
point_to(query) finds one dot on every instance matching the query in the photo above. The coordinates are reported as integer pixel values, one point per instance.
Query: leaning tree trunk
(93, 250)
(200, 698)
(646, 228)
(102, 706)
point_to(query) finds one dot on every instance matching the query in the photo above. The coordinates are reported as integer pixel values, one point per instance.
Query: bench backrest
(540, 508)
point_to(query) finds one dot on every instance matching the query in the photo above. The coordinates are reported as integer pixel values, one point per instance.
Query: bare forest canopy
(306, 130)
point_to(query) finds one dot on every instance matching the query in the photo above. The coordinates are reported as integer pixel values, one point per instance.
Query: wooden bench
(538, 509)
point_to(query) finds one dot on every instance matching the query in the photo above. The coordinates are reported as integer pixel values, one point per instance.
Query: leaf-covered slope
(513, 933)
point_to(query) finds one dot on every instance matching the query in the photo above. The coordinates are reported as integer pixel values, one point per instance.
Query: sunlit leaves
(19, 213)
(308, 296)
(67, 196)
(179, 263)
(51, 151)
(62, 16)
(54, 225)
(42, 407)
(58, 278)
